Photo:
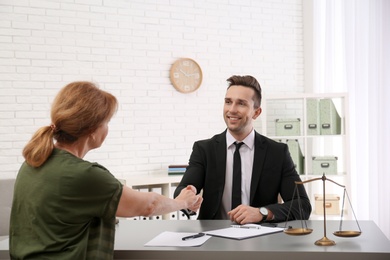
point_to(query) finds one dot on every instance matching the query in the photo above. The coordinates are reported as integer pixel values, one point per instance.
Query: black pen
(193, 236)
(247, 227)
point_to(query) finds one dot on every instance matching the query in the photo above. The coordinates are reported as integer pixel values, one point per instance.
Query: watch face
(186, 75)
(264, 211)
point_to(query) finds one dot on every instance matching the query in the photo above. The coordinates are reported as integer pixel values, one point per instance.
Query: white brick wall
(127, 47)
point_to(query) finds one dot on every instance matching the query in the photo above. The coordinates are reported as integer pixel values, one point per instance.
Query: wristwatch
(264, 212)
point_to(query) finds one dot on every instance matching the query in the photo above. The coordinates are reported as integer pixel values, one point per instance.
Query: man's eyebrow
(238, 100)
(242, 101)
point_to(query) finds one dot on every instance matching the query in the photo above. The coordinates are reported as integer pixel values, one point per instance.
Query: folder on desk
(244, 232)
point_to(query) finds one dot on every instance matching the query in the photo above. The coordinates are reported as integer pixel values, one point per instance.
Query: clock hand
(185, 74)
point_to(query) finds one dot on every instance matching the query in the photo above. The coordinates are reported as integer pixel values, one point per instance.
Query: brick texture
(127, 47)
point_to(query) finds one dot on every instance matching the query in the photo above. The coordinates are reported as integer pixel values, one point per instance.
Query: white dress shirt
(247, 152)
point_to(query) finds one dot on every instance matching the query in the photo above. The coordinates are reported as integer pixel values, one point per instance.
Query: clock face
(186, 75)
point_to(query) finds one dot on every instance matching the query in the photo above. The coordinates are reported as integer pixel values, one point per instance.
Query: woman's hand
(190, 199)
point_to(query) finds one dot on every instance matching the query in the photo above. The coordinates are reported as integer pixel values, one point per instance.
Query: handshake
(192, 202)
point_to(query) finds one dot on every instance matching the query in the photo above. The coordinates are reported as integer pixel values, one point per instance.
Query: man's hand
(244, 214)
(188, 195)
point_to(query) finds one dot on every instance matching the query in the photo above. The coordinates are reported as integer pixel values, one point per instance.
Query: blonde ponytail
(40, 147)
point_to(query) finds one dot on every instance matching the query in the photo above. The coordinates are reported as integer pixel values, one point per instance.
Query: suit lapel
(258, 162)
(220, 155)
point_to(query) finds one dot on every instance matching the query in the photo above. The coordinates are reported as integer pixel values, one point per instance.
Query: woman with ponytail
(65, 207)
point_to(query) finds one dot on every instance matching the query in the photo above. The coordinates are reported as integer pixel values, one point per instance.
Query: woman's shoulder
(68, 164)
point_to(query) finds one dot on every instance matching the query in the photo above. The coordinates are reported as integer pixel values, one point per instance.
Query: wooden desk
(131, 235)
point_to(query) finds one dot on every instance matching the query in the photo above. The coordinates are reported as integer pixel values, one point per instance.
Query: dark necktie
(236, 189)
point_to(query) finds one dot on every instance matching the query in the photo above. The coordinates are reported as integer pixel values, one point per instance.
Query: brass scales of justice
(305, 231)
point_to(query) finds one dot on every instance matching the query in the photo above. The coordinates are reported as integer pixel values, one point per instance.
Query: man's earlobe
(257, 113)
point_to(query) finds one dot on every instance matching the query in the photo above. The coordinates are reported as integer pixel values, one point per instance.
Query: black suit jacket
(273, 173)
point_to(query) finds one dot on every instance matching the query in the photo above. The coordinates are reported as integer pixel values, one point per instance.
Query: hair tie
(53, 128)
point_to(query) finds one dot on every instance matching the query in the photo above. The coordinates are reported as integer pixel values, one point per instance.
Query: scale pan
(347, 233)
(298, 231)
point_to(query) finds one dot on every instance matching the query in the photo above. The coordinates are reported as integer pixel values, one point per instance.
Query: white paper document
(244, 231)
(168, 238)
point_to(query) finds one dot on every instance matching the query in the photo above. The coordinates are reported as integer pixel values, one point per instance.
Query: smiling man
(244, 185)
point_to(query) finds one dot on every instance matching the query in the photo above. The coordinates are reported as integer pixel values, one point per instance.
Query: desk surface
(131, 235)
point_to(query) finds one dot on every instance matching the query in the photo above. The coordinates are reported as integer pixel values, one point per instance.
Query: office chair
(6, 195)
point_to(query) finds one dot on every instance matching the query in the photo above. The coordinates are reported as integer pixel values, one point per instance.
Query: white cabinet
(327, 141)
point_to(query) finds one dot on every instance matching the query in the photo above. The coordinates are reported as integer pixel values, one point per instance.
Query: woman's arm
(134, 203)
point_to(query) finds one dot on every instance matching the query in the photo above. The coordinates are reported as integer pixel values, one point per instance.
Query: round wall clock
(186, 75)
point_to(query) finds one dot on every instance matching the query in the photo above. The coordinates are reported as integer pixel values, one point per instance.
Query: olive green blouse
(64, 209)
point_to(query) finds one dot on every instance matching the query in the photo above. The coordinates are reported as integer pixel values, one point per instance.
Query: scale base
(325, 242)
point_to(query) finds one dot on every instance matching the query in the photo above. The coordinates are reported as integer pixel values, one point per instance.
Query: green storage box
(324, 164)
(313, 117)
(288, 127)
(296, 155)
(330, 119)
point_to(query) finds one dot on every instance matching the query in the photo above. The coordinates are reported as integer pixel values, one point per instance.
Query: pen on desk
(247, 227)
(193, 236)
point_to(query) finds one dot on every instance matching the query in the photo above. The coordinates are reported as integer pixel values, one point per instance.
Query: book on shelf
(177, 169)
(173, 166)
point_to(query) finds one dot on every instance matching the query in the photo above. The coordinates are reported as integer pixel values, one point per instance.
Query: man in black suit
(267, 169)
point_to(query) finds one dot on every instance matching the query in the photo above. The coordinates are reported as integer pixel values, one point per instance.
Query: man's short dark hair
(250, 82)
